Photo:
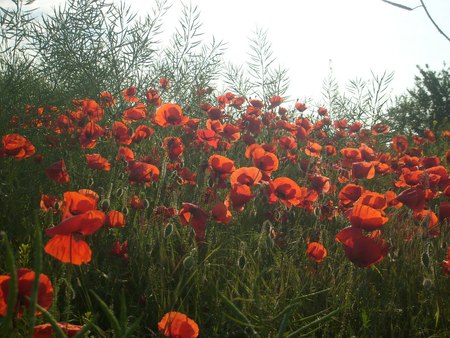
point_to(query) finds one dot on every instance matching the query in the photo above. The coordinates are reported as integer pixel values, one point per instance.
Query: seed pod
(425, 259)
(104, 205)
(188, 262)
(241, 262)
(168, 230)
(146, 203)
(119, 192)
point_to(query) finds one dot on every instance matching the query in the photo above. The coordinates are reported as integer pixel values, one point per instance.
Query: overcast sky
(354, 36)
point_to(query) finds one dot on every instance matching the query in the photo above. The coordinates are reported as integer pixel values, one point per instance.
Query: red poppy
(48, 203)
(142, 132)
(222, 166)
(275, 101)
(231, 132)
(136, 202)
(129, 94)
(136, 113)
(400, 143)
(107, 100)
(178, 325)
(96, 161)
(240, 195)
(46, 330)
(208, 137)
(76, 203)
(170, 114)
(221, 213)
(58, 172)
(164, 83)
(121, 133)
(192, 214)
(153, 98)
(246, 175)
(285, 190)
(413, 198)
(90, 134)
(142, 173)
(25, 281)
(92, 110)
(363, 170)
(320, 183)
(125, 153)
(67, 244)
(362, 250)
(367, 218)
(313, 149)
(115, 219)
(444, 211)
(17, 146)
(316, 252)
(373, 199)
(379, 128)
(266, 161)
(350, 194)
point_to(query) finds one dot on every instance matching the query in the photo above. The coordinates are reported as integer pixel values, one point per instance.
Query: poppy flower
(413, 198)
(96, 161)
(58, 172)
(173, 146)
(367, 218)
(316, 252)
(107, 100)
(129, 94)
(90, 134)
(153, 98)
(313, 149)
(363, 170)
(142, 132)
(136, 113)
(266, 161)
(373, 199)
(170, 114)
(46, 330)
(136, 202)
(17, 146)
(285, 190)
(92, 110)
(444, 211)
(125, 153)
(400, 143)
(67, 244)
(301, 107)
(246, 175)
(142, 173)
(231, 132)
(240, 195)
(121, 133)
(208, 137)
(320, 183)
(178, 325)
(115, 219)
(25, 281)
(192, 214)
(221, 213)
(48, 203)
(214, 125)
(76, 203)
(350, 194)
(379, 128)
(164, 83)
(362, 250)
(221, 166)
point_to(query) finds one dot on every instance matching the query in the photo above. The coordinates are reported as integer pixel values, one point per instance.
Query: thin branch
(431, 19)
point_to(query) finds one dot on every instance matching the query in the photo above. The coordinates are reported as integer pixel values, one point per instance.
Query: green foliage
(426, 106)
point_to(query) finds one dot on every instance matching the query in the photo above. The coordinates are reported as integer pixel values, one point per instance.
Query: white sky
(356, 35)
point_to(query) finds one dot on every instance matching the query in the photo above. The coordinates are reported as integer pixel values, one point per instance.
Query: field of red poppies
(231, 218)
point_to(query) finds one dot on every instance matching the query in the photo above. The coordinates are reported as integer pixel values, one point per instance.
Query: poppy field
(233, 217)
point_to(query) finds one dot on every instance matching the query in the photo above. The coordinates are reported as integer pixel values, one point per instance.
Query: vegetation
(150, 204)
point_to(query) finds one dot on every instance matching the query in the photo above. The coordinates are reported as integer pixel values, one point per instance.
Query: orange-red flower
(142, 132)
(46, 330)
(316, 252)
(313, 149)
(192, 214)
(142, 173)
(362, 250)
(178, 325)
(222, 166)
(285, 190)
(174, 147)
(96, 161)
(17, 146)
(246, 175)
(367, 218)
(67, 244)
(121, 133)
(115, 219)
(363, 170)
(25, 281)
(90, 134)
(221, 213)
(107, 100)
(170, 114)
(136, 113)
(129, 94)
(58, 172)
(350, 194)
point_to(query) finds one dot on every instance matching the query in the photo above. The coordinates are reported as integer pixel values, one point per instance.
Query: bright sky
(356, 35)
